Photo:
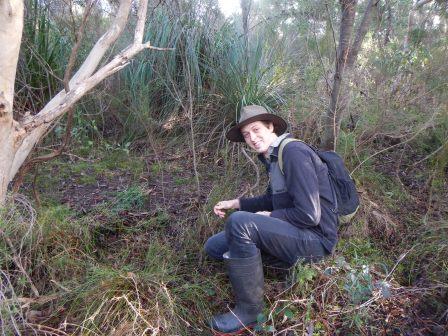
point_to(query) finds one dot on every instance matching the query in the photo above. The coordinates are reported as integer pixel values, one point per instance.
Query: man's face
(259, 136)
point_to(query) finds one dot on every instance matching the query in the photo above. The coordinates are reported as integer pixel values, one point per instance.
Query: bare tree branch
(63, 101)
(421, 3)
(361, 33)
(103, 44)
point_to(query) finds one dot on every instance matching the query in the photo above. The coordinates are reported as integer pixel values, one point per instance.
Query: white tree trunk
(11, 18)
(17, 138)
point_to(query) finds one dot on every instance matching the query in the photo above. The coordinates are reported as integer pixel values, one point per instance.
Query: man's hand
(221, 207)
(264, 213)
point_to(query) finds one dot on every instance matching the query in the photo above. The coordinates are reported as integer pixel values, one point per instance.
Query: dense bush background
(114, 246)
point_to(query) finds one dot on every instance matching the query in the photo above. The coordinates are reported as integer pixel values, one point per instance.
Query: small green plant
(131, 198)
(355, 322)
(264, 324)
(181, 181)
(302, 276)
(359, 251)
(267, 321)
(156, 168)
(359, 285)
(160, 220)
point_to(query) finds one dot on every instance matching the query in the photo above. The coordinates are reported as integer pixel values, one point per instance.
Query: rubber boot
(246, 277)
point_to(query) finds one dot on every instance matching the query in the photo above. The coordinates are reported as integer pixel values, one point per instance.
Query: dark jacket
(302, 196)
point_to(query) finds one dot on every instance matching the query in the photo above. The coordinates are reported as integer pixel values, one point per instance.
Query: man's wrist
(236, 204)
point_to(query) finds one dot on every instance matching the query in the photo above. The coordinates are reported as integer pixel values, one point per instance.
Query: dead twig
(257, 172)
(399, 260)
(46, 330)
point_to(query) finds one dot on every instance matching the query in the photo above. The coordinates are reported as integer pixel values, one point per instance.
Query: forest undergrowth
(116, 248)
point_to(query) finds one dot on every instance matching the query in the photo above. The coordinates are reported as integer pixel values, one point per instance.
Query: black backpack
(344, 186)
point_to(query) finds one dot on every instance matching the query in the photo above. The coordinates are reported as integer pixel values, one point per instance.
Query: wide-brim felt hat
(253, 113)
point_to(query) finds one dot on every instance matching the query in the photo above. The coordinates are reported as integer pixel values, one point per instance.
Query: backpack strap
(280, 151)
(280, 164)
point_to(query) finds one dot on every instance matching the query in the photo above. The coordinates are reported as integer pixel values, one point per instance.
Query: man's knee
(236, 223)
(210, 249)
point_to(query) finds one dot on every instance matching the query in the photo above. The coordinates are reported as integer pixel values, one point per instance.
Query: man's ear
(271, 126)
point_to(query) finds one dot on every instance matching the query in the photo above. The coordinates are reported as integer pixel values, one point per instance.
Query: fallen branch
(428, 124)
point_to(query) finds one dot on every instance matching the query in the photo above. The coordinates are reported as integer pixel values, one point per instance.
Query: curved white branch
(83, 81)
(421, 3)
(103, 44)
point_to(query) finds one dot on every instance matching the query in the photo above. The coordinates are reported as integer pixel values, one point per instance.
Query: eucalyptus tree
(346, 55)
(18, 136)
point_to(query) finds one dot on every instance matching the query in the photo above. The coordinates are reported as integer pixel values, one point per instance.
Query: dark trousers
(280, 242)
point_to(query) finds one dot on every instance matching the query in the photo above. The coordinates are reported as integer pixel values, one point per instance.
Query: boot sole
(241, 331)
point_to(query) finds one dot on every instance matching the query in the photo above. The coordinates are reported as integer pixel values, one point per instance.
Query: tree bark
(348, 9)
(407, 37)
(11, 18)
(388, 23)
(360, 33)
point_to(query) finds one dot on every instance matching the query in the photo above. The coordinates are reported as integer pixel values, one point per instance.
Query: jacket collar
(274, 149)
